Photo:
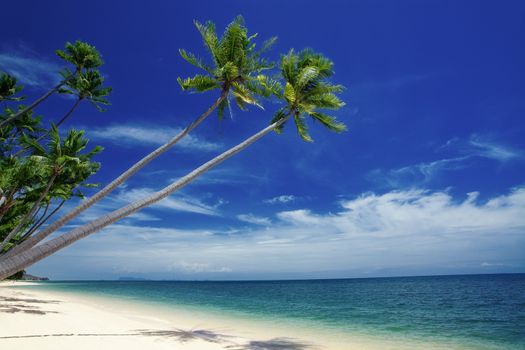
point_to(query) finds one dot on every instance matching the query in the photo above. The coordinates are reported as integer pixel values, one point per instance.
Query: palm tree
(86, 86)
(236, 68)
(81, 55)
(9, 88)
(61, 163)
(306, 91)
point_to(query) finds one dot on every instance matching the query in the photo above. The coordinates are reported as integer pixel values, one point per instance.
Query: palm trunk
(30, 214)
(34, 104)
(31, 242)
(42, 221)
(29, 257)
(69, 112)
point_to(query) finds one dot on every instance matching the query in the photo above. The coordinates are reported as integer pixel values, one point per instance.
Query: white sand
(34, 319)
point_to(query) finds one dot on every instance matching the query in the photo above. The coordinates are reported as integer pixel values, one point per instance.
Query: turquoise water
(481, 311)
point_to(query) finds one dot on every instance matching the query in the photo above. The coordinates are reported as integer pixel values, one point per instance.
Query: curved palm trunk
(32, 241)
(27, 258)
(30, 214)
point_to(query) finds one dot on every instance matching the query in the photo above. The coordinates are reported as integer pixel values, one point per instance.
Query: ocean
(474, 311)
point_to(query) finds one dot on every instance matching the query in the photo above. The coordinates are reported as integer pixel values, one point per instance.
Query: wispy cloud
(29, 70)
(486, 148)
(367, 235)
(466, 152)
(136, 135)
(253, 219)
(179, 203)
(286, 198)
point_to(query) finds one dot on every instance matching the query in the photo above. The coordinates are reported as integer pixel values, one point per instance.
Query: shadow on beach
(272, 344)
(13, 305)
(184, 336)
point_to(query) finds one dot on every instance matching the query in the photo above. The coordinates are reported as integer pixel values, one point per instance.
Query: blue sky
(429, 178)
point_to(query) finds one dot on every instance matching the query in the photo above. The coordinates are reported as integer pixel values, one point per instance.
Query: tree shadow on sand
(186, 335)
(25, 305)
(272, 344)
(180, 335)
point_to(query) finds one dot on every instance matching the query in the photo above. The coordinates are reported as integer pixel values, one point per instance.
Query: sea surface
(476, 311)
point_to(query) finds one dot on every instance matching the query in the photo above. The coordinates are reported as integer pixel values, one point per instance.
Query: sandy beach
(32, 319)
(41, 319)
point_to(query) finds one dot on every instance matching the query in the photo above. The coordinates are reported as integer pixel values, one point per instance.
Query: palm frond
(194, 60)
(221, 108)
(198, 83)
(209, 36)
(289, 93)
(328, 121)
(306, 75)
(268, 86)
(81, 55)
(327, 101)
(302, 129)
(280, 114)
(242, 92)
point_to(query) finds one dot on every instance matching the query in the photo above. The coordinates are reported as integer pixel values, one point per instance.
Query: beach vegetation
(302, 88)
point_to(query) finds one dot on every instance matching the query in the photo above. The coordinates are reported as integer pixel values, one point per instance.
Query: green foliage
(41, 168)
(17, 276)
(81, 55)
(307, 90)
(9, 88)
(88, 85)
(235, 68)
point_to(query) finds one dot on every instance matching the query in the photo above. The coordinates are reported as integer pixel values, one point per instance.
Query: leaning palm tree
(81, 55)
(236, 68)
(306, 91)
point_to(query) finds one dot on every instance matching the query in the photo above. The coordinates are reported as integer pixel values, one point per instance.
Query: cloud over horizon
(368, 234)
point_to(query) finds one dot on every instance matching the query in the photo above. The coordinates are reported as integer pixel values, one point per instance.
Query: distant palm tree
(306, 91)
(81, 55)
(86, 86)
(9, 88)
(236, 68)
(60, 157)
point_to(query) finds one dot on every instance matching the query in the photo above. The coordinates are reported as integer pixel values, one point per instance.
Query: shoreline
(61, 320)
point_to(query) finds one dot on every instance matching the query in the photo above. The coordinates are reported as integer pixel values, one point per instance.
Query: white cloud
(373, 234)
(29, 70)
(133, 135)
(281, 199)
(195, 267)
(253, 219)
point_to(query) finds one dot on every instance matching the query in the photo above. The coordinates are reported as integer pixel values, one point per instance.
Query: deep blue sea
(480, 311)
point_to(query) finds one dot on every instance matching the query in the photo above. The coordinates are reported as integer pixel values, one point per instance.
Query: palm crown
(9, 88)
(307, 90)
(236, 65)
(88, 85)
(81, 55)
